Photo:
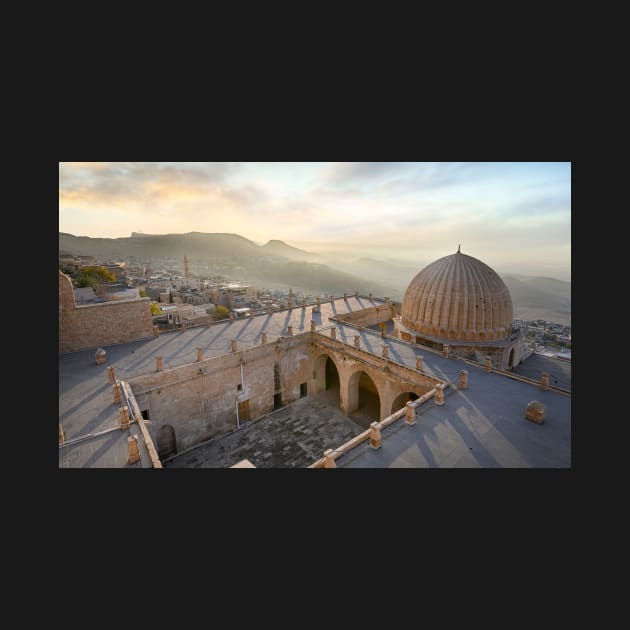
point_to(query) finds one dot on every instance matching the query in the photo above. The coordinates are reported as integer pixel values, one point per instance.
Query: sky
(515, 216)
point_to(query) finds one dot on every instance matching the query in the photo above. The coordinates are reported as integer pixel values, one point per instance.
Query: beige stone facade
(93, 325)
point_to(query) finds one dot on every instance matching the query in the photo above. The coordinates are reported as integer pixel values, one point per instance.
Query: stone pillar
(100, 356)
(487, 367)
(419, 363)
(263, 338)
(199, 354)
(290, 331)
(410, 414)
(535, 412)
(116, 392)
(233, 345)
(439, 395)
(123, 418)
(345, 296)
(270, 310)
(318, 302)
(62, 434)
(385, 352)
(375, 435)
(134, 452)
(313, 325)
(356, 294)
(357, 341)
(290, 304)
(156, 331)
(333, 333)
(332, 298)
(446, 350)
(544, 381)
(370, 296)
(159, 364)
(111, 374)
(463, 380)
(329, 462)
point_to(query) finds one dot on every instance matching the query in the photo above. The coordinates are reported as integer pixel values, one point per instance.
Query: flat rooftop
(481, 426)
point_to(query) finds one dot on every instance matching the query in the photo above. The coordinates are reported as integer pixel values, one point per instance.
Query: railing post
(375, 435)
(329, 461)
(410, 414)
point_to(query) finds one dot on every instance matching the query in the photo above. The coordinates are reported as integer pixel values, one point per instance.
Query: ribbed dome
(458, 297)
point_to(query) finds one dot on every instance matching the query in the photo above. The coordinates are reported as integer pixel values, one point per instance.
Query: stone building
(324, 385)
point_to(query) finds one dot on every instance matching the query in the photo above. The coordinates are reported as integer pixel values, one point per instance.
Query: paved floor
(293, 437)
(559, 370)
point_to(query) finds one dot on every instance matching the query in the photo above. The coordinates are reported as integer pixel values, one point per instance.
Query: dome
(458, 297)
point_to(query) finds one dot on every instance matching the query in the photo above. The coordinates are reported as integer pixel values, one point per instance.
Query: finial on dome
(459, 248)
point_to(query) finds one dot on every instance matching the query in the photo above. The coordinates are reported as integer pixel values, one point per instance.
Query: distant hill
(193, 244)
(280, 248)
(540, 298)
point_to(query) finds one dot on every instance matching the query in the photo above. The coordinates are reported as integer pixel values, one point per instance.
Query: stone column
(370, 296)
(290, 331)
(439, 395)
(345, 296)
(111, 375)
(357, 341)
(356, 294)
(156, 331)
(233, 345)
(290, 304)
(385, 352)
(419, 363)
(270, 310)
(333, 333)
(183, 325)
(313, 325)
(410, 414)
(100, 356)
(446, 350)
(487, 367)
(263, 338)
(375, 435)
(329, 461)
(318, 302)
(159, 364)
(463, 380)
(134, 452)
(123, 418)
(199, 354)
(332, 298)
(116, 392)
(544, 381)
(62, 434)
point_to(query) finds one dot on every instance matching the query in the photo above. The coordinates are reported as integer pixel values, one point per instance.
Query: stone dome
(458, 297)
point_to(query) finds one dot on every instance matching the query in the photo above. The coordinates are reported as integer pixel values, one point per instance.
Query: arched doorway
(327, 379)
(511, 359)
(166, 444)
(364, 403)
(402, 399)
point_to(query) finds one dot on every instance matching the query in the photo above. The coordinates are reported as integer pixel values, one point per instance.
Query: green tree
(221, 312)
(143, 293)
(155, 308)
(92, 277)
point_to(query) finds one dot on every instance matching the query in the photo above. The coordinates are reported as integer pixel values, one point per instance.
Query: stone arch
(434, 331)
(363, 398)
(452, 334)
(401, 400)
(442, 333)
(463, 334)
(325, 363)
(482, 336)
(166, 443)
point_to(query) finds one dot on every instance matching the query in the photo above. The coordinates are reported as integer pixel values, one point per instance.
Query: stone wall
(104, 324)
(199, 400)
(368, 316)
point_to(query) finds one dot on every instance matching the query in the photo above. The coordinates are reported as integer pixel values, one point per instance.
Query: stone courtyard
(292, 437)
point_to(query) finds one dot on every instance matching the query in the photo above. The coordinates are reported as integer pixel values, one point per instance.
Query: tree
(155, 308)
(221, 312)
(93, 276)
(143, 293)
